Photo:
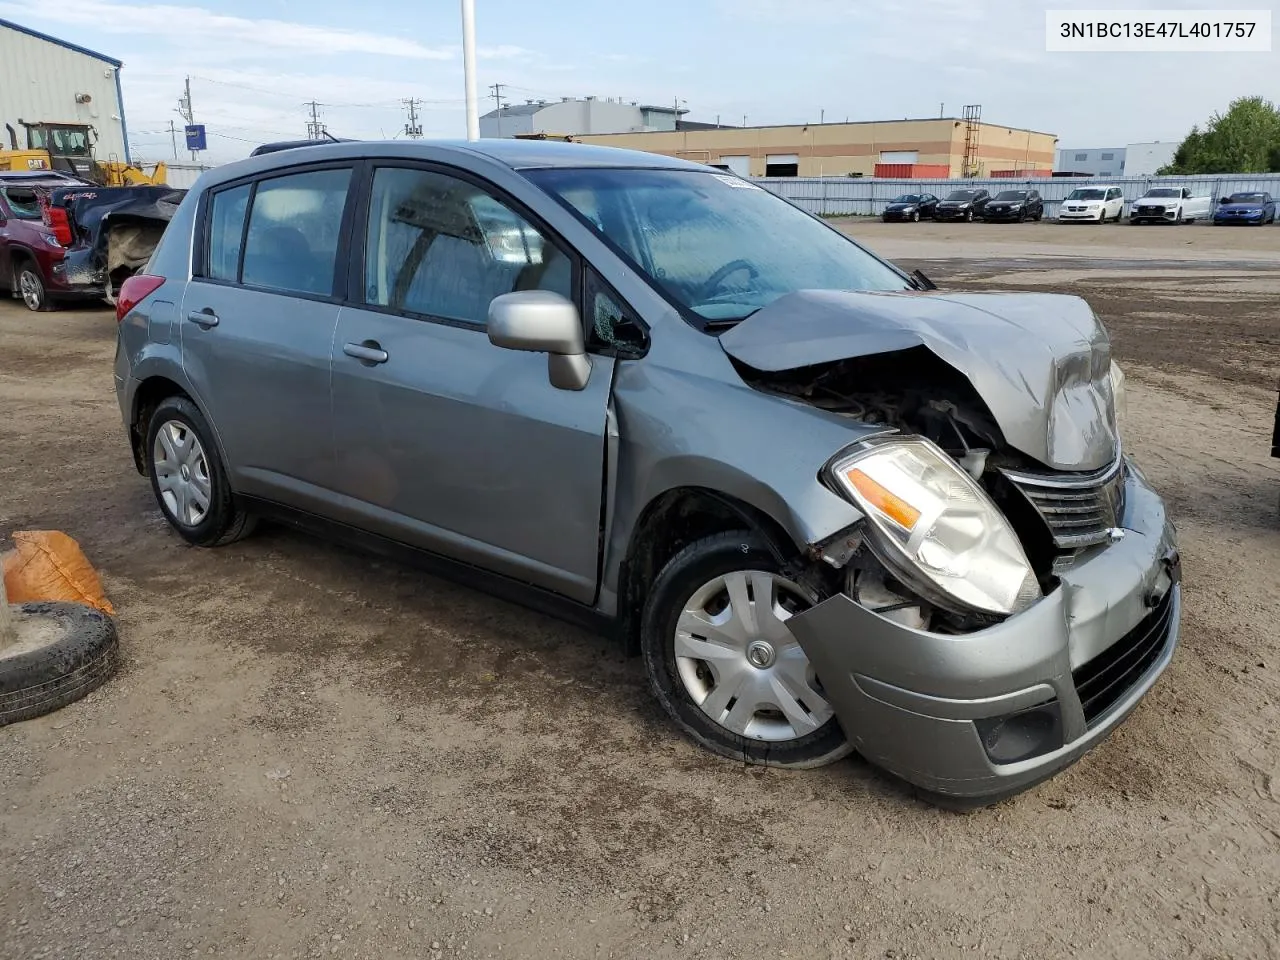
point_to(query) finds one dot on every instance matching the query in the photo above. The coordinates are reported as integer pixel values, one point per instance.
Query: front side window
(718, 247)
(443, 247)
(294, 226)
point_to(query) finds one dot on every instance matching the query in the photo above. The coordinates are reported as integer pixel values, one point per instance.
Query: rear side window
(443, 247)
(226, 230)
(294, 227)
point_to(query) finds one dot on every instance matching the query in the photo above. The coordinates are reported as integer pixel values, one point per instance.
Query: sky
(254, 64)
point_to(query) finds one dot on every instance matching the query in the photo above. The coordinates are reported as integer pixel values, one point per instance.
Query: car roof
(515, 154)
(45, 181)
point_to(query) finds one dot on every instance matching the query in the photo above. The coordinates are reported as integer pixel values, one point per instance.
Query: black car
(962, 205)
(1014, 206)
(910, 206)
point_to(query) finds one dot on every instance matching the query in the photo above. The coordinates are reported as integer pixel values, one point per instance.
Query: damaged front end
(1024, 408)
(1012, 590)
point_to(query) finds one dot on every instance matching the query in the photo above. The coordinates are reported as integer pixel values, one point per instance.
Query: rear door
(442, 439)
(257, 325)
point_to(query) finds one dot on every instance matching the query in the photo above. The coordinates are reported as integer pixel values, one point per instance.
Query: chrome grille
(1080, 509)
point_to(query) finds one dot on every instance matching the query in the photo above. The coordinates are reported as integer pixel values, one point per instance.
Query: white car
(1096, 204)
(1170, 205)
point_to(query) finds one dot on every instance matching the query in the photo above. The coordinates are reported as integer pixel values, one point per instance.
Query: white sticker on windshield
(735, 182)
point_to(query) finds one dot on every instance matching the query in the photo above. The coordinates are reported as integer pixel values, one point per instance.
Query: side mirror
(540, 321)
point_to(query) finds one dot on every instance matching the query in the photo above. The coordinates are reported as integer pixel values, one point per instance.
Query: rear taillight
(56, 219)
(133, 291)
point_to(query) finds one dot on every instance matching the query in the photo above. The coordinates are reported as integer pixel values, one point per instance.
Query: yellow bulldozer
(68, 147)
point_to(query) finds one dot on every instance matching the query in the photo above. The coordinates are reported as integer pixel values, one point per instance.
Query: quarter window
(442, 247)
(294, 226)
(226, 230)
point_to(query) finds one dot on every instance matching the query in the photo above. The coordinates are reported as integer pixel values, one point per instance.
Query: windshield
(1011, 195)
(1163, 192)
(962, 194)
(60, 141)
(1086, 195)
(23, 202)
(907, 198)
(1246, 198)
(719, 247)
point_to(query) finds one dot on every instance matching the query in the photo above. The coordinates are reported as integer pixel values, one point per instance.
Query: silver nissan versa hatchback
(833, 508)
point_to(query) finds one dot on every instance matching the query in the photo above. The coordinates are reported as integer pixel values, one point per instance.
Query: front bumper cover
(917, 703)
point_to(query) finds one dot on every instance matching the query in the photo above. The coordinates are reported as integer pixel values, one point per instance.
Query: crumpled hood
(1041, 362)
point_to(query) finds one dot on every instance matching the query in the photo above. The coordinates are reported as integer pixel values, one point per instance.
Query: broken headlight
(937, 527)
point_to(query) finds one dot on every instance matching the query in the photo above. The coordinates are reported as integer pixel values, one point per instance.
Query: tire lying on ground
(64, 651)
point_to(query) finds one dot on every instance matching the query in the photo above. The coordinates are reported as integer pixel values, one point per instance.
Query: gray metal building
(44, 79)
(574, 117)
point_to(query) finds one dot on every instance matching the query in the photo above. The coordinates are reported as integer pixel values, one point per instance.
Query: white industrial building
(1134, 160)
(572, 117)
(47, 80)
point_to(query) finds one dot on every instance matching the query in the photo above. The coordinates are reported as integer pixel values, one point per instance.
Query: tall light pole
(469, 67)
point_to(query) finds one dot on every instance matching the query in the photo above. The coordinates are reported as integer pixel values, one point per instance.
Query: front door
(258, 323)
(442, 439)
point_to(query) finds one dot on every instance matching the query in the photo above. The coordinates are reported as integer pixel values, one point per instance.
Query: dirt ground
(308, 753)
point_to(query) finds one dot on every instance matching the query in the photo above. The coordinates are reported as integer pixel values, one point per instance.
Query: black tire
(915, 217)
(27, 276)
(968, 216)
(688, 570)
(83, 657)
(226, 519)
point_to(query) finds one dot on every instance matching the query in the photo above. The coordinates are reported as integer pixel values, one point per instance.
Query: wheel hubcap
(29, 286)
(739, 662)
(182, 473)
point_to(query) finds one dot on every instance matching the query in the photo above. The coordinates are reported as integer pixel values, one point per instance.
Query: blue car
(1255, 208)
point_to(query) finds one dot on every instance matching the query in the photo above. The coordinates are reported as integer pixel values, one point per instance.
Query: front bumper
(941, 213)
(990, 214)
(986, 714)
(1252, 216)
(1081, 215)
(1166, 216)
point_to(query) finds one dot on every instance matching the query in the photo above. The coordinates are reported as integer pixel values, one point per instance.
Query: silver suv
(832, 508)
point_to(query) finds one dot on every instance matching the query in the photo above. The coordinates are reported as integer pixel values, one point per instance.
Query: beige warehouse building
(934, 147)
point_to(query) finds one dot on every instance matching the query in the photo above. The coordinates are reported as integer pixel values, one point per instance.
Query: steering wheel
(713, 282)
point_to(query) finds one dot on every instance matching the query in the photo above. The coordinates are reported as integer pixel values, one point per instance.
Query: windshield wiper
(919, 281)
(724, 323)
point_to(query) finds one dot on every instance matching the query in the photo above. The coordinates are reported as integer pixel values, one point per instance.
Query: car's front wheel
(723, 663)
(30, 286)
(189, 479)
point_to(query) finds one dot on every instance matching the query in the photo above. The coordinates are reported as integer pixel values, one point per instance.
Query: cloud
(251, 37)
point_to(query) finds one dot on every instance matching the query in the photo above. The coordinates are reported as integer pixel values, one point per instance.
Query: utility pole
(315, 129)
(498, 99)
(469, 67)
(412, 129)
(822, 116)
(173, 135)
(188, 114)
(744, 119)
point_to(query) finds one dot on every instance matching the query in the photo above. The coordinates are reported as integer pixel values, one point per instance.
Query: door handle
(205, 317)
(370, 351)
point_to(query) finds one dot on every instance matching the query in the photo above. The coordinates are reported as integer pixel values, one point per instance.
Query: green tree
(1245, 139)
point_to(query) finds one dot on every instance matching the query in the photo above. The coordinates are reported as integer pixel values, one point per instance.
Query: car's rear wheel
(30, 286)
(723, 663)
(189, 479)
